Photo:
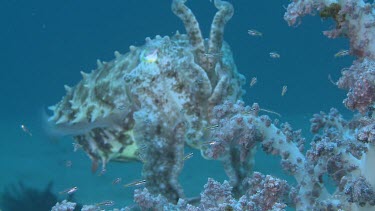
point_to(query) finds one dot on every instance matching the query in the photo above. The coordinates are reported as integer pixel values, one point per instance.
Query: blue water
(45, 44)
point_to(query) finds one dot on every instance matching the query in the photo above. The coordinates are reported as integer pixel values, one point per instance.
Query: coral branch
(359, 80)
(355, 20)
(264, 193)
(64, 206)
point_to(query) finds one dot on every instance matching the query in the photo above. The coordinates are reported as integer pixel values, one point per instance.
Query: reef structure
(146, 104)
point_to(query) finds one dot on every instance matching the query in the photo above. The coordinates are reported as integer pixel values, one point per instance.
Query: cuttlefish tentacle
(191, 25)
(222, 16)
(215, 42)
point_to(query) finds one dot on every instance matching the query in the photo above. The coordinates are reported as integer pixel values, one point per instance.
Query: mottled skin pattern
(148, 103)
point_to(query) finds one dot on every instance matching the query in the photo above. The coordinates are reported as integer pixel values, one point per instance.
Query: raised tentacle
(217, 27)
(191, 25)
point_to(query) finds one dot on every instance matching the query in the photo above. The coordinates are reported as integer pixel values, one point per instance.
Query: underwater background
(45, 44)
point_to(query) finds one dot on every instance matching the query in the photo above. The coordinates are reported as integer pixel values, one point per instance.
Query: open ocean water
(45, 44)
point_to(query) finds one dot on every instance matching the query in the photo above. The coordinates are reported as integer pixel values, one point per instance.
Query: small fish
(69, 191)
(283, 91)
(209, 143)
(274, 55)
(135, 183)
(213, 55)
(140, 153)
(116, 181)
(253, 81)
(254, 33)
(342, 53)
(211, 127)
(105, 203)
(68, 163)
(188, 156)
(249, 112)
(26, 130)
(140, 156)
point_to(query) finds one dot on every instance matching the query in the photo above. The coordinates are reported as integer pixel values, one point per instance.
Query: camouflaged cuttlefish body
(144, 94)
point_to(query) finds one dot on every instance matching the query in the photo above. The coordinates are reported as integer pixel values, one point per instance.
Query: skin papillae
(148, 103)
